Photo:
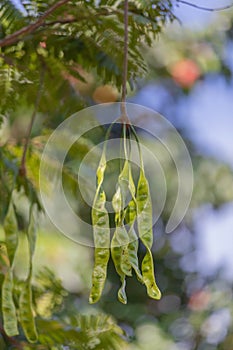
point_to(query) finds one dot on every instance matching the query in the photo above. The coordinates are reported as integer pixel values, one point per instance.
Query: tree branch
(72, 19)
(62, 21)
(210, 9)
(15, 37)
(11, 340)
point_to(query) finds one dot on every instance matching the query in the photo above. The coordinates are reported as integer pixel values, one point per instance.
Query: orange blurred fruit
(105, 94)
(185, 73)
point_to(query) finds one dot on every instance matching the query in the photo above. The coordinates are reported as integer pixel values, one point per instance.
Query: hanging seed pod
(4, 259)
(8, 306)
(123, 189)
(8, 250)
(118, 244)
(26, 315)
(11, 232)
(116, 253)
(120, 241)
(124, 245)
(144, 220)
(144, 209)
(101, 232)
(131, 210)
(130, 218)
(26, 312)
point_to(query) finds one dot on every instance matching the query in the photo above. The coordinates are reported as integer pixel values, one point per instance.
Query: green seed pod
(4, 259)
(31, 233)
(100, 222)
(7, 252)
(11, 232)
(101, 232)
(120, 240)
(119, 249)
(8, 306)
(144, 210)
(26, 313)
(130, 217)
(116, 252)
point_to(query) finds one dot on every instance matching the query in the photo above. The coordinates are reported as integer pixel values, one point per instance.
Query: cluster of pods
(136, 212)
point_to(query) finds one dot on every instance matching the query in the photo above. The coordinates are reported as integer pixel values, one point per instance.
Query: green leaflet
(101, 232)
(25, 300)
(144, 209)
(8, 250)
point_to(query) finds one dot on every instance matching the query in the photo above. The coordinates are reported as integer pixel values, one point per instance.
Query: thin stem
(22, 168)
(138, 144)
(129, 144)
(121, 156)
(210, 9)
(108, 134)
(124, 116)
(124, 138)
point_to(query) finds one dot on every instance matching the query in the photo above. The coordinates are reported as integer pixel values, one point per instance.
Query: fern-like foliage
(70, 330)
(12, 18)
(79, 33)
(85, 332)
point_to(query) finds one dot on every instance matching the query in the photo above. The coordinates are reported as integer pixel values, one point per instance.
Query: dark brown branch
(15, 37)
(11, 340)
(22, 168)
(73, 19)
(62, 21)
(210, 9)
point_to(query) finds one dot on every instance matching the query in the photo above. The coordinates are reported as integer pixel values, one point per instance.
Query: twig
(15, 37)
(73, 19)
(10, 340)
(124, 116)
(62, 21)
(210, 9)
(22, 168)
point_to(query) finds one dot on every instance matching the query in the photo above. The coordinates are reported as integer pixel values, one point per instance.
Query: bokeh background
(189, 82)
